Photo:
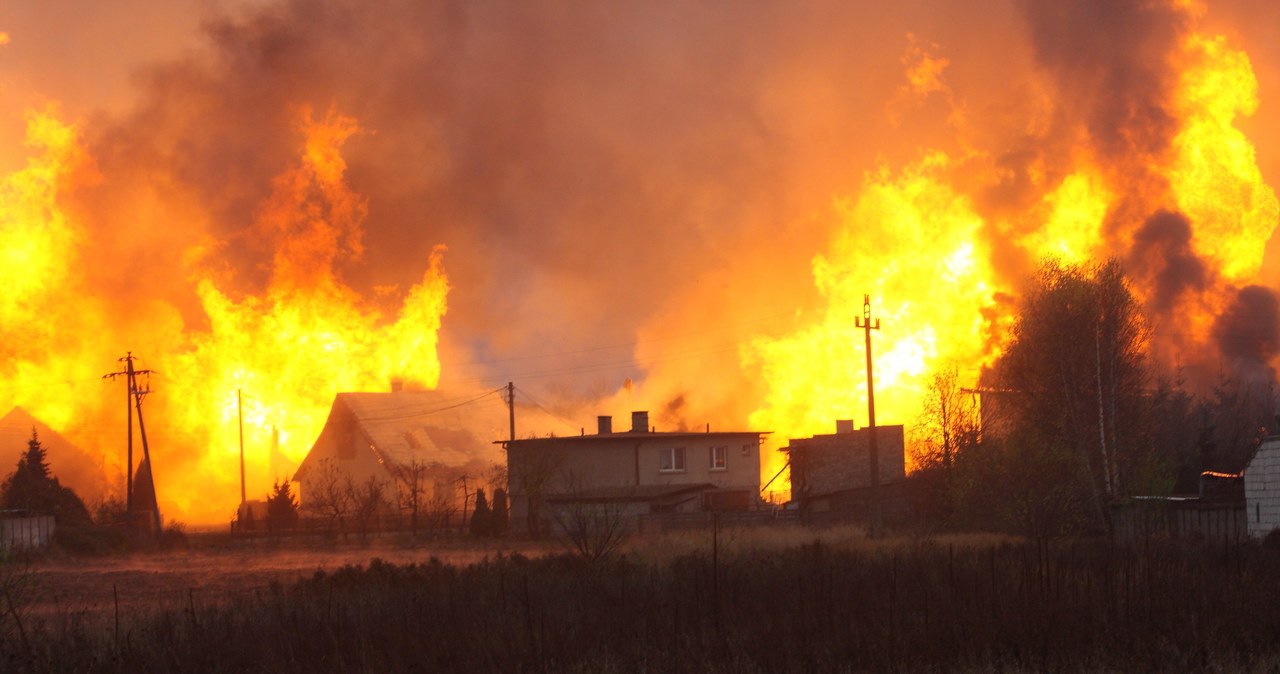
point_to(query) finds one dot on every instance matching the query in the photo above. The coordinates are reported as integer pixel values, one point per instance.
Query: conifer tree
(482, 518)
(33, 487)
(500, 517)
(282, 506)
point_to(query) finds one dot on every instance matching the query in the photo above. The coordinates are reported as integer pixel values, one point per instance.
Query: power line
(548, 412)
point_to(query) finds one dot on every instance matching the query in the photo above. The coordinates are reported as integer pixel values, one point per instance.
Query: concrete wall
(563, 465)
(825, 464)
(1262, 489)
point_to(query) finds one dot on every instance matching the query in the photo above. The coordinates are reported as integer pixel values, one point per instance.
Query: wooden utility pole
(511, 407)
(873, 453)
(131, 391)
(146, 457)
(240, 416)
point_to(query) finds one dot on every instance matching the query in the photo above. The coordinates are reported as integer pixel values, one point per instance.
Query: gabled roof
(426, 426)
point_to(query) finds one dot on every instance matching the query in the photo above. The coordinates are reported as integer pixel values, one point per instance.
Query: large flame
(914, 241)
(284, 352)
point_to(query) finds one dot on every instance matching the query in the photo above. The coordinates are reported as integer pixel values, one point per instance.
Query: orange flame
(914, 241)
(290, 348)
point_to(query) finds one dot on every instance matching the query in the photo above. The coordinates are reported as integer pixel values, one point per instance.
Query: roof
(426, 426)
(644, 492)
(629, 436)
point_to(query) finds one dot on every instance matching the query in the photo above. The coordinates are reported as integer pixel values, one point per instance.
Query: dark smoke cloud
(1248, 332)
(586, 164)
(1109, 59)
(1161, 255)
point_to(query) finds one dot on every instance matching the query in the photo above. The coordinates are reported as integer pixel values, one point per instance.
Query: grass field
(746, 601)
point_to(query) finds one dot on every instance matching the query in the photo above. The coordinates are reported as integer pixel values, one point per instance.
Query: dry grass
(768, 601)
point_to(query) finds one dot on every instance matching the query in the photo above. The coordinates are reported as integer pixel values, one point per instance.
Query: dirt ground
(210, 573)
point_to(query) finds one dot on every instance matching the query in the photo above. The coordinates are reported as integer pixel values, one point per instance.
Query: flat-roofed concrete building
(634, 472)
(833, 472)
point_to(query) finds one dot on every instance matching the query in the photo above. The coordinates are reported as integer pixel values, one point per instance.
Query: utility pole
(873, 453)
(131, 389)
(240, 415)
(511, 407)
(146, 456)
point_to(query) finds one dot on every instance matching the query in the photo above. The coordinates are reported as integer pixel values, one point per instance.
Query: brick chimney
(604, 424)
(639, 422)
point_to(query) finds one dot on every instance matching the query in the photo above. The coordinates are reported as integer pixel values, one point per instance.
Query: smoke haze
(631, 194)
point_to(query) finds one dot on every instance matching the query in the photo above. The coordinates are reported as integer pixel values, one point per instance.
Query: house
(832, 473)
(380, 435)
(631, 473)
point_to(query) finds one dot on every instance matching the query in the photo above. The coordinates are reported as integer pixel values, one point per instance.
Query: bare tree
(442, 504)
(948, 423)
(593, 527)
(368, 499)
(411, 487)
(328, 496)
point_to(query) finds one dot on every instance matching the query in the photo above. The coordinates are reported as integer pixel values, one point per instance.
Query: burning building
(400, 436)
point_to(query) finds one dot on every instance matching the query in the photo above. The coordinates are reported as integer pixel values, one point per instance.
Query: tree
(948, 423)
(482, 518)
(501, 517)
(328, 495)
(282, 507)
(368, 499)
(32, 486)
(592, 528)
(411, 488)
(1077, 370)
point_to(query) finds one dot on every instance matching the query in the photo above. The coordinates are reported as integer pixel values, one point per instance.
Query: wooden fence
(1214, 522)
(25, 532)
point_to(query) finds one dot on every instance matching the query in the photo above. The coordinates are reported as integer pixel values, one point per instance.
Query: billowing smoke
(1248, 333)
(1162, 258)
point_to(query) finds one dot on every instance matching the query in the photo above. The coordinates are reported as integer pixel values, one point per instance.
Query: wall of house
(1262, 489)
(550, 466)
(825, 464)
(342, 446)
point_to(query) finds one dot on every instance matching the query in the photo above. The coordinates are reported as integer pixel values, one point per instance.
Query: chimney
(605, 423)
(844, 426)
(397, 385)
(639, 422)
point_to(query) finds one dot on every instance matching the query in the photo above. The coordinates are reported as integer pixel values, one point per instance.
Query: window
(672, 460)
(719, 458)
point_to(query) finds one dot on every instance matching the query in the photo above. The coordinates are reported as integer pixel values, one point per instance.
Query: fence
(27, 532)
(1213, 522)
(350, 525)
